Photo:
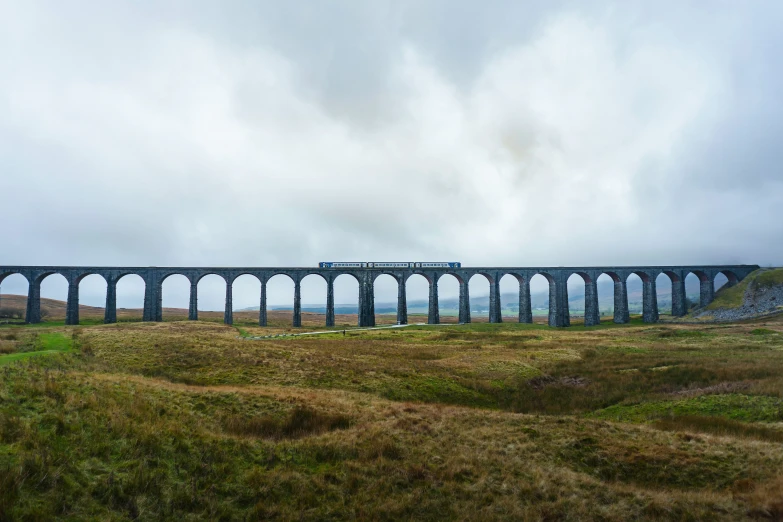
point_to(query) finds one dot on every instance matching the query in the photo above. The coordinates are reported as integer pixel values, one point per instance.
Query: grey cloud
(509, 133)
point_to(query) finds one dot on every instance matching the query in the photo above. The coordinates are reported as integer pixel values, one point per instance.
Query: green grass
(45, 343)
(730, 297)
(770, 277)
(732, 406)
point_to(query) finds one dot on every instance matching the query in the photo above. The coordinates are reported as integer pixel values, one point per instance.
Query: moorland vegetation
(187, 421)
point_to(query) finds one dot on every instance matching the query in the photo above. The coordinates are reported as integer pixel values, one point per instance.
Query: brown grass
(188, 420)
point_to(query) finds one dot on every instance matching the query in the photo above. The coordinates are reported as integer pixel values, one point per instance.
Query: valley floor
(193, 421)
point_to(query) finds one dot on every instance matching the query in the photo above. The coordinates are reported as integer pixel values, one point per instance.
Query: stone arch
(675, 302)
(387, 284)
(165, 276)
(14, 307)
(479, 288)
(706, 286)
(450, 286)
(644, 276)
(619, 296)
(314, 273)
(540, 307)
(558, 298)
(396, 277)
(732, 278)
(92, 280)
(458, 277)
(605, 286)
(80, 277)
(579, 284)
(345, 294)
(202, 275)
(53, 286)
(673, 276)
(724, 279)
(43, 275)
(512, 284)
(524, 309)
(584, 275)
(242, 291)
(419, 288)
(9, 273)
(425, 275)
(313, 288)
(649, 295)
(128, 292)
(211, 287)
(279, 297)
(182, 283)
(703, 277)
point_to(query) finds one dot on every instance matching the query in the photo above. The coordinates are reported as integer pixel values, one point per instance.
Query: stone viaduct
(557, 276)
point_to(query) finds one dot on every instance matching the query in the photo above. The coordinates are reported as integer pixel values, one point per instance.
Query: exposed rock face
(757, 300)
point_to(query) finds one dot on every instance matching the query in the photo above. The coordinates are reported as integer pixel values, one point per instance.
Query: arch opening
(448, 298)
(245, 294)
(54, 297)
(577, 296)
(92, 299)
(693, 284)
(130, 298)
(720, 281)
(175, 297)
(385, 293)
(634, 286)
(479, 290)
(280, 300)
(14, 289)
(346, 300)
(731, 277)
(666, 292)
(646, 299)
(540, 285)
(211, 298)
(605, 284)
(417, 288)
(313, 292)
(509, 286)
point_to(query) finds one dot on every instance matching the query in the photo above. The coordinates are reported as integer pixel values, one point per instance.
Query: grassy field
(191, 421)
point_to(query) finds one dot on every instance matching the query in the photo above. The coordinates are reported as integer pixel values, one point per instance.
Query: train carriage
(386, 264)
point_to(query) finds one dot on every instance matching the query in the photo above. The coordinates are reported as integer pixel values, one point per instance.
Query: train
(375, 264)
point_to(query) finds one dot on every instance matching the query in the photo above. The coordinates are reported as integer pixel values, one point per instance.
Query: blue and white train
(371, 264)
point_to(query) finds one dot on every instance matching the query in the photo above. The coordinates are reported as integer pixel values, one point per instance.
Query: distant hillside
(14, 307)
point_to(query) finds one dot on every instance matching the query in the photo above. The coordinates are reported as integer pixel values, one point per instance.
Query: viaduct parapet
(557, 276)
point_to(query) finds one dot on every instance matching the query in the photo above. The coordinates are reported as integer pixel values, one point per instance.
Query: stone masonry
(556, 276)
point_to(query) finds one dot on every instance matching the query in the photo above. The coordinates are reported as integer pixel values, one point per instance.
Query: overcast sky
(287, 133)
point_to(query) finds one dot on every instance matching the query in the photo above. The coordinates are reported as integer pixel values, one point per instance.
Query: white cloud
(169, 144)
